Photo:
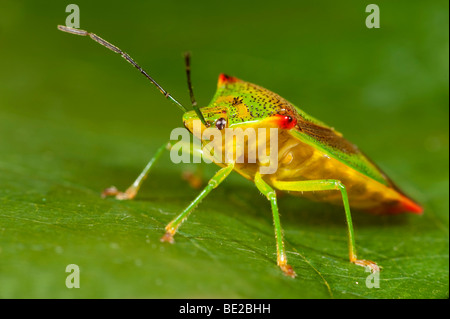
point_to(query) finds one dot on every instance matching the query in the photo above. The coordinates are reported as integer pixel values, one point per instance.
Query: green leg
(131, 191)
(172, 227)
(331, 184)
(272, 197)
(194, 179)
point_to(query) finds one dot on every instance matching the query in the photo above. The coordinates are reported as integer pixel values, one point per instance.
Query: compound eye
(221, 123)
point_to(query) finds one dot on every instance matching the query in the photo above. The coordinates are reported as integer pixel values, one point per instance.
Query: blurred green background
(75, 118)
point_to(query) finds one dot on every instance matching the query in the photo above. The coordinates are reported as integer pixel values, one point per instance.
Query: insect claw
(168, 237)
(367, 263)
(110, 191)
(113, 191)
(125, 196)
(288, 270)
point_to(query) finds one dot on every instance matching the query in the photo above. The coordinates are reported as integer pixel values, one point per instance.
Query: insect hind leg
(331, 184)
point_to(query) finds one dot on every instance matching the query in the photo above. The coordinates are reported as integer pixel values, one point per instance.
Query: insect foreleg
(172, 227)
(331, 184)
(131, 191)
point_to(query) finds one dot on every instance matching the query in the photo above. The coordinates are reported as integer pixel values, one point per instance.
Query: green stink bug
(313, 159)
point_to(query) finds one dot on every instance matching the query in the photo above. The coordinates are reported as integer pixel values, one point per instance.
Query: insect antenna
(124, 55)
(187, 60)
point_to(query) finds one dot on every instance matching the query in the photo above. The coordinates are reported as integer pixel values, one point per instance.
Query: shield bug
(313, 159)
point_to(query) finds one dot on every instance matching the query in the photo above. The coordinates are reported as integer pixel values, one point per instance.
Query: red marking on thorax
(285, 121)
(223, 78)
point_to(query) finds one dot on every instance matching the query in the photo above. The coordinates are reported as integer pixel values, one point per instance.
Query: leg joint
(271, 195)
(213, 183)
(340, 186)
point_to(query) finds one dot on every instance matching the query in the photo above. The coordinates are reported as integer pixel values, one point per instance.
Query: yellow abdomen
(298, 161)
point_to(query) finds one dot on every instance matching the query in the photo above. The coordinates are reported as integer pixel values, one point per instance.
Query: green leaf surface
(75, 118)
